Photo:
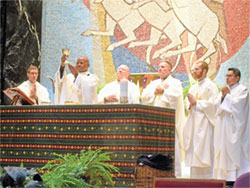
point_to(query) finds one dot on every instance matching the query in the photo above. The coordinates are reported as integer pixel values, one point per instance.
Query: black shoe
(229, 184)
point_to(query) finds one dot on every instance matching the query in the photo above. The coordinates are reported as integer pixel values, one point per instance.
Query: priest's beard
(198, 75)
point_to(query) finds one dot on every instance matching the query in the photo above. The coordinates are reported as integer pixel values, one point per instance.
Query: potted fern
(87, 169)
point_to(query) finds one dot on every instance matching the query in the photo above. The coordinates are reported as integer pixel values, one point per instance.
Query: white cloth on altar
(79, 90)
(231, 135)
(41, 91)
(172, 97)
(198, 129)
(114, 88)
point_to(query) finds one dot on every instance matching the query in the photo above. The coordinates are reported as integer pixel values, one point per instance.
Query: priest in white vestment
(111, 92)
(198, 129)
(232, 136)
(167, 92)
(34, 89)
(78, 87)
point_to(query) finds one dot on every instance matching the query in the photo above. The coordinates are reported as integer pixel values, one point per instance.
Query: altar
(31, 134)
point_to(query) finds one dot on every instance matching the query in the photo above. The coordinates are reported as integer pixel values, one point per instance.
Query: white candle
(124, 90)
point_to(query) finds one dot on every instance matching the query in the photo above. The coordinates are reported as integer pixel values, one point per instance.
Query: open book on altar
(18, 97)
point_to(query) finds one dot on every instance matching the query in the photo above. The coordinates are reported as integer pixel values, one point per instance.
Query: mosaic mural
(141, 33)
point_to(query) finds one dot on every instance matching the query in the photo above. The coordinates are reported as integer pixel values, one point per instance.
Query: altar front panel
(31, 134)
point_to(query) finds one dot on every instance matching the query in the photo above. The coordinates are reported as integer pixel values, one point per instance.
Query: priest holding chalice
(77, 87)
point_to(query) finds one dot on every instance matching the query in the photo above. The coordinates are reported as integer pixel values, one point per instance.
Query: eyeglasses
(229, 75)
(33, 73)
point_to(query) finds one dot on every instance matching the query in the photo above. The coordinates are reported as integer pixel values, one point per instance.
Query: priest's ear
(237, 78)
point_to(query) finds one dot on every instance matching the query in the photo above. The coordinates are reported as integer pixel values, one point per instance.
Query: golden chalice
(66, 52)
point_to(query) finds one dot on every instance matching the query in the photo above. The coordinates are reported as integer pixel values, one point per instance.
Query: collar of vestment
(87, 73)
(166, 79)
(30, 83)
(202, 81)
(117, 82)
(234, 86)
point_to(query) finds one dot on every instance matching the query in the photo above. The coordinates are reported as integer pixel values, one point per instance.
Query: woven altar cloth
(30, 134)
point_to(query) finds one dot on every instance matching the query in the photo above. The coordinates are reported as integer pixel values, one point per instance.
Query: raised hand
(63, 60)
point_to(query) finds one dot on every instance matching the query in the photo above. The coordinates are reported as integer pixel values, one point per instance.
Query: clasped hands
(224, 91)
(33, 94)
(111, 98)
(191, 100)
(160, 88)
